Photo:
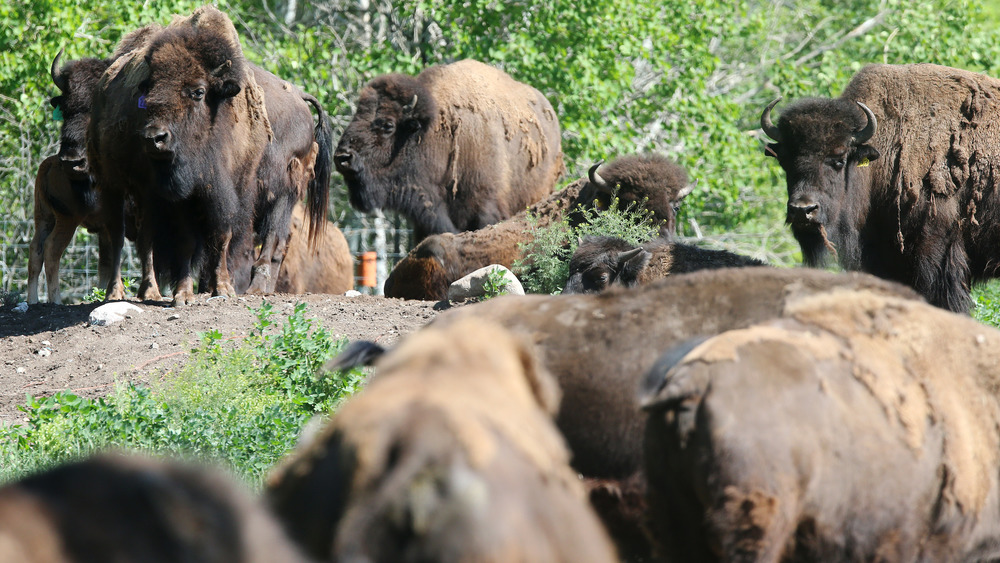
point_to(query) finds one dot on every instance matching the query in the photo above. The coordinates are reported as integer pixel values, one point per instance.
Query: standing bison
(455, 148)
(448, 455)
(845, 431)
(896, 176)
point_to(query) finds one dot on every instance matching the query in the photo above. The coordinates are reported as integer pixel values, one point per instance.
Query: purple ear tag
(142, 101)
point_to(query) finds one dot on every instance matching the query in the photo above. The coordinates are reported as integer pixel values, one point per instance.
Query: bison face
(822, 147)
(76, 81)
(378, 154)
(184, 122)
(600, 262)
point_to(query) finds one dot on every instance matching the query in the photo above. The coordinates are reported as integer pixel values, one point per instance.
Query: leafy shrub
(241, 403)
(495, 284)
(545, 266)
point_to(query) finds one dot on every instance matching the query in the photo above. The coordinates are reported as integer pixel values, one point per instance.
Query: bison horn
(628, 255)
(686, 190)
(869, 129)
(57, 79)
(595, 178)
(765, 122)
(222, 68)
(409, 107)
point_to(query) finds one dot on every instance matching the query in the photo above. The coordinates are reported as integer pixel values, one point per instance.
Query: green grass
(239, 403)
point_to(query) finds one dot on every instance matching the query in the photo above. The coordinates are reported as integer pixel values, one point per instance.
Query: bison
(601, 262)
(117, 508)
(651, 181)
(182, 125)
(448, 455)
(896, 177)
(325, 267)
(455, 148)
(599, 348)
(845, 431)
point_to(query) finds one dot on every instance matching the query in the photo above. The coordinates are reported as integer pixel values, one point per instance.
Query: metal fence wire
(389, 237)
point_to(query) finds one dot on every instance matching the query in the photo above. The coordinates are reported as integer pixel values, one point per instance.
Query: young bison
(602, 262)
(123, 509)
(449, 455)
(847, 430)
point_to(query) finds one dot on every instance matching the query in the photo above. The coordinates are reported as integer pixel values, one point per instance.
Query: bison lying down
(846, 431)
(448, 455)
(123, 509)
(602, 262)
(599, 348)
(653, 181)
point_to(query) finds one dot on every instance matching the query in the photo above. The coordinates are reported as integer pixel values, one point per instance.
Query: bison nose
(344, 161)
(75, 162)
(802, 212)
(158, 139)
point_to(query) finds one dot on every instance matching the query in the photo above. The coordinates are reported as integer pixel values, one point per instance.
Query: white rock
(352, 293)
(111, 313)
(21, 370)
(472, 285)
(44, 352)
(21, 307)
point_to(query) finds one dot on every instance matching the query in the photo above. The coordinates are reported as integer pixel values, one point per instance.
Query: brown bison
(896, 177)
(845, 431)
(455, 148)
(652, 181)
(603, 262)
(599, 348)
(182, 126)
(325, 267)
(448, 455)
(113, 508)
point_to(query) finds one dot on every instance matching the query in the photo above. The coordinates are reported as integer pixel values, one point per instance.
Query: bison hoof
(149, 292)
(183, 298)
(225, 288)
(117, 293)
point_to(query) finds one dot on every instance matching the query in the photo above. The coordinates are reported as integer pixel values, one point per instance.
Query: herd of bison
(674, 404)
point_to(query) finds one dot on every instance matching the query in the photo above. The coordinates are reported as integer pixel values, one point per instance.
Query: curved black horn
(765, 122)
(57, 79)
(595, 178)
(869, 129)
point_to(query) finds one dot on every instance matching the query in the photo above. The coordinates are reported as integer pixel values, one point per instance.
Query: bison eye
(384, 126)
(198, 94)
(838, 163)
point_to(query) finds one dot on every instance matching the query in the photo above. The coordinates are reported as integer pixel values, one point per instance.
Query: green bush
(241, 403)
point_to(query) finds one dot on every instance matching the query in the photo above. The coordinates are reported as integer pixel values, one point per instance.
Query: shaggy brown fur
(448, 455)
(428, 270)
(124, 509)
(192, 183)
(915, 202)
(456, 148)
(326, 267)
(602, 262)
(846, 431)
(599, 347)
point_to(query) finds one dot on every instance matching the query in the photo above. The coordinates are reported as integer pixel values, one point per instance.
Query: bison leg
(184, 291)
(55, 245)
(148, 289)
(750, 526)
(220, 282)
(113, 209)
(43, 228)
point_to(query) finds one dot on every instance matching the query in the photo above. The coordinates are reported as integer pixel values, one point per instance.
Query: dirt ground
(50, 348)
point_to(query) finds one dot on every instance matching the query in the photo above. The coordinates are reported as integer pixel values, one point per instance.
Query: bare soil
(51, 348)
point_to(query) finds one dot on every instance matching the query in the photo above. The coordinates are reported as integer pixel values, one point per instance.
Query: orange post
(368, 269)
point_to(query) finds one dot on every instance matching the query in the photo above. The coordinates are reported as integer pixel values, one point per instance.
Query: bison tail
(318, 195)
(657, 390)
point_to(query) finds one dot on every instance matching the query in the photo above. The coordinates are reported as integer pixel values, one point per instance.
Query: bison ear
(229, 89)
(630, 265)
(651, 391)
(865, 153)
(357, 353)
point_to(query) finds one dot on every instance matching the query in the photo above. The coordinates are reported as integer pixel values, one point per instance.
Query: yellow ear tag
(864, 163)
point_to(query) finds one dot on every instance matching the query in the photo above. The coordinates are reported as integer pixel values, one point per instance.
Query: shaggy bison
(652, 182)
(448, 455)
(599, 348)
(455, 148)
(113, 508)
(845, 431)
(896, 177)
(325, 267)
(602, 262)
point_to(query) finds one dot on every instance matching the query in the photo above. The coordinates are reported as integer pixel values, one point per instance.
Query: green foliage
(545, 266)
(987, 299)
(97, 294)
(10, 298)
(241, 403)
(495, 284)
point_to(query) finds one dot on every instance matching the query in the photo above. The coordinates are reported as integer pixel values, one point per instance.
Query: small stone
(21, 307)
(46, 344)
(44, 352)
(21, 370)
(173, 317)
(111, 313)
(154, 346)
(352, 293)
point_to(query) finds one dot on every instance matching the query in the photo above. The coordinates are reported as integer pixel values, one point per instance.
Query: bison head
(378, 152)
(425, 272)
(600, 262)
(822, 145)
(652, 181)
(193, 73)
(76, 81)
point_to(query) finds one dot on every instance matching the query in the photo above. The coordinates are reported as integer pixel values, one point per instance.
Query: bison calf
(326, 267)
(113, 508)
(448, 455)
(845, 431)
(602, 262)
